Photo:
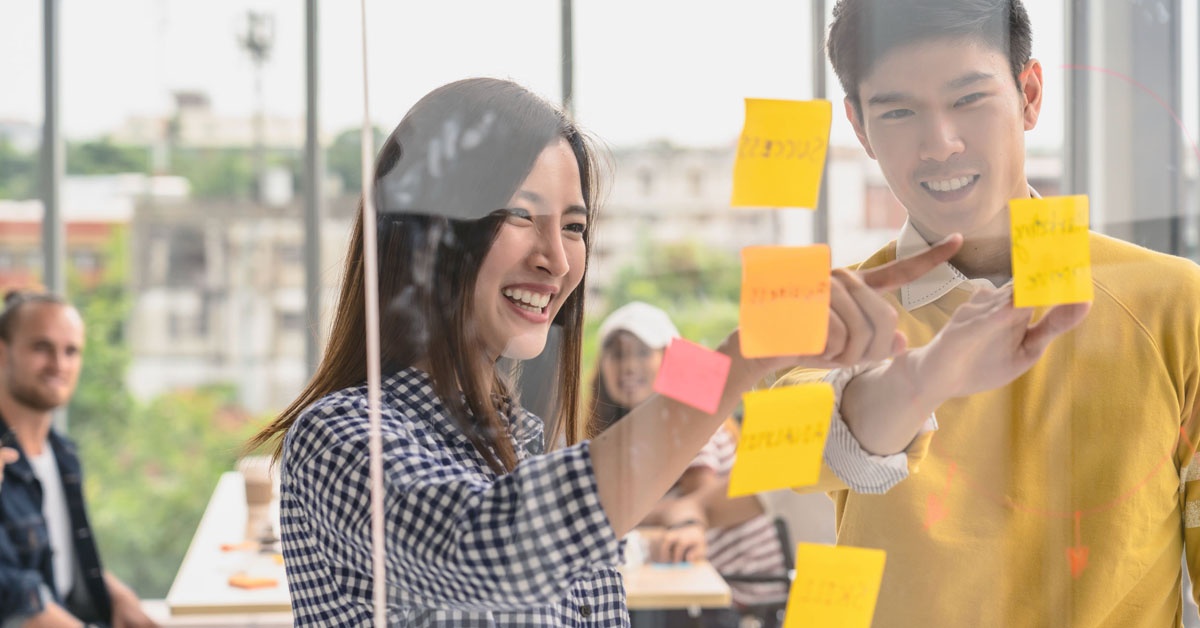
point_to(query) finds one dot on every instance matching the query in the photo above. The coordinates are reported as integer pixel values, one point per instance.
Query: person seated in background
(50, 571)
(699, 522)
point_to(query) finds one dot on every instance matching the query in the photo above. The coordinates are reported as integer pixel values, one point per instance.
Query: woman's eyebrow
(536, 199)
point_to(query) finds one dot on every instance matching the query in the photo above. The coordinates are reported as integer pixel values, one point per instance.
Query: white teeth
(950, 185)
(527, 298)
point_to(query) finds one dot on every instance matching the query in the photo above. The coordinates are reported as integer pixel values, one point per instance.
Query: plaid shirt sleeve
(458, 537)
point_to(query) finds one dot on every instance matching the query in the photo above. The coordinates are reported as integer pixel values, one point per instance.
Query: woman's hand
(684, 542)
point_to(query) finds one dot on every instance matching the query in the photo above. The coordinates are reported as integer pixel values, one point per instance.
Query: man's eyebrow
(969, 79)
(891, 98)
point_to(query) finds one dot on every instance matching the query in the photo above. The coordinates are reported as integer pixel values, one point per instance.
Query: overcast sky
(645, 69)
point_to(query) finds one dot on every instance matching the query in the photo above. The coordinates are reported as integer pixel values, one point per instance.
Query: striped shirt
(751, 547)
(464, 547)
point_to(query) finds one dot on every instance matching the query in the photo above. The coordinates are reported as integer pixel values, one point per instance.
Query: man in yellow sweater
(1065, 496)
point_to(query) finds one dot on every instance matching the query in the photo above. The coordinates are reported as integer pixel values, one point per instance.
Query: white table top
(202, 584)
(687, 585)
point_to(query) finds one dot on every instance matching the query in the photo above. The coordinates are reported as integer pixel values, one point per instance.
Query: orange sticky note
(692, 374)
(781, 154)
(785, 300)
(835, 585)
(1051, 258)
(783, 438)
(243, 580)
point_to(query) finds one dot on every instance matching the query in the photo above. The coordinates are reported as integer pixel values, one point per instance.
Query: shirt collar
(934, 284)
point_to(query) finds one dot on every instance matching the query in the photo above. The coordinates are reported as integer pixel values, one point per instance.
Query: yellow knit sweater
(1085, 449)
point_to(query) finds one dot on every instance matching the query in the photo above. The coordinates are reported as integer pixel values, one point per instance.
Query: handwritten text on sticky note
(785, 300)
(834, 586)
(781, 154)
(783, 438)
(1051, 258)
(692, 374)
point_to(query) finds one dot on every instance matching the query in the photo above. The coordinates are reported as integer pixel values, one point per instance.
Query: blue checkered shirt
(465, 547)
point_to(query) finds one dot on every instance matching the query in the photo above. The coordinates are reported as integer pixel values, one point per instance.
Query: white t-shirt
(58, 518)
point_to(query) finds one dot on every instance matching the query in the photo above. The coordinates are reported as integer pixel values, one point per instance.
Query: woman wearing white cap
(736, 536)
(632, 341)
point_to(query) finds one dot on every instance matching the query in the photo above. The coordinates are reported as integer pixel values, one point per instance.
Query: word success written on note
(781, 154)
(785, 300)
(834, 586)
(783, 438)
(1051, 258)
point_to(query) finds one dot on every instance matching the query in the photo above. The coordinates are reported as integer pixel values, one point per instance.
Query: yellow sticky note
(783, 438)
(781, 154)
(834, 586)
(1051, 259)
(785, 300)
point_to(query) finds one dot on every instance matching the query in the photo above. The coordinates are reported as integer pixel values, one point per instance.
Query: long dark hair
(458, 157)
(602, 411)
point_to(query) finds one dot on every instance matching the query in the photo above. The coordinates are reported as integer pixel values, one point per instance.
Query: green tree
(148, 490)
(344, 157)
(105, 157)
(227, 172)
(102, 405)
(215, 173)
(18, 172)
(150, 468)
(699, 287)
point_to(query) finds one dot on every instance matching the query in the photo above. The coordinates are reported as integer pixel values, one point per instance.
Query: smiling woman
(536, 260)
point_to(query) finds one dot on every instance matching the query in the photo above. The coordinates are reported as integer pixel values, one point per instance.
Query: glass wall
(183, 207)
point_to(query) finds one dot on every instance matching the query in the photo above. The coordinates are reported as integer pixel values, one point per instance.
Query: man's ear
(852, 114)
(1030, 82)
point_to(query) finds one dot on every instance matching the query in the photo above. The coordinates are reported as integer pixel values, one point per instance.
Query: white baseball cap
(649, 324)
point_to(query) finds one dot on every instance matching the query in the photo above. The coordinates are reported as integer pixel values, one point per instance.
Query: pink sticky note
(692, 374)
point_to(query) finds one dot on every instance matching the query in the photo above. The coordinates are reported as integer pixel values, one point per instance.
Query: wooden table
(202, 585)
(161, 613)
(689, 586)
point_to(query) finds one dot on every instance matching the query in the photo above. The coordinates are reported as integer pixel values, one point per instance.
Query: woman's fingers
(858, 328)
(880, 316)
(681, 545)
(835, 340)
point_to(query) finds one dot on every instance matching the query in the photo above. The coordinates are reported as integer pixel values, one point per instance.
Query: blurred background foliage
(699, 287)
(151, 467)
